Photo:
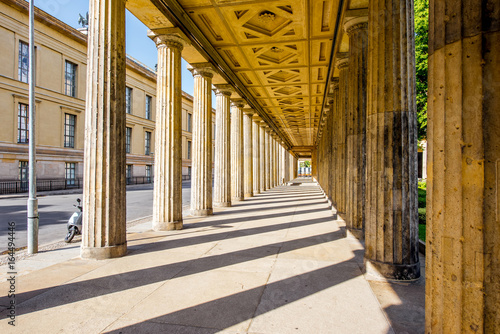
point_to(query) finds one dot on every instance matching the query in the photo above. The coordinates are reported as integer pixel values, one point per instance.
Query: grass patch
(421, 232)
(422, 210)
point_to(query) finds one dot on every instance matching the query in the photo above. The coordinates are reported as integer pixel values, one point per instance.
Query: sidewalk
(275, 263)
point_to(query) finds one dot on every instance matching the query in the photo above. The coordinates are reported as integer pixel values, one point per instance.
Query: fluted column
(463, 186)
(391, 228)
(338, 172)
(278, 162)
(248, 152)
(283, 164)
(167, 192)
(272, 160)
(314, 163)
(268, 159)
(237, 179)
(274, 177)
(330, 172)
(295, 166)
(343, 203)
(104, 205)
(256, 154)
(201, 176)
(357, 30)
(263, 175)
(222, 165)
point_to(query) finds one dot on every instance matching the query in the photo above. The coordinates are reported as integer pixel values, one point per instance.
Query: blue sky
(138, 45)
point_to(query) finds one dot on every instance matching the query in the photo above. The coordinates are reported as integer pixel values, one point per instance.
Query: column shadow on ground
(214, 316)
(78, 291)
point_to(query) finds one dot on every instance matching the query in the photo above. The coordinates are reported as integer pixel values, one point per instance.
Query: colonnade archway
(340, 89)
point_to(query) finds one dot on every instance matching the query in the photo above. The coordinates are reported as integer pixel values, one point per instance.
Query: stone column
(357, 30)
(271, 161)
(463, 185)
(342, 65)
(295, 167)
(314, 163)
(237, 150)
(391, 230)
(274, 160)
(248, 152)
(277, 161)
(167, 193)
(201, 177)
(268, 156)
(337, 150)
(222, 173)
(330, 158)
(256, 154)
(286, 165)
(104, 206)
(263, 175)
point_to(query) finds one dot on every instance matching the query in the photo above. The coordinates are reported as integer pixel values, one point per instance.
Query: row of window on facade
(69, 70)
(69, 130)
(69, 172)
(23, 128)
(70, 75)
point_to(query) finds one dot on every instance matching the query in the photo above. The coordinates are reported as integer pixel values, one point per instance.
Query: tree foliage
(421, 53)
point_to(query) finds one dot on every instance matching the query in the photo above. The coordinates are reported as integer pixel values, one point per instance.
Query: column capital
(249, 111)
(355, 23)
(256, 118)
(329, 98)
(206, 70)
(238, 103)
(171, 37)
(223, 89)
(334, 83)
(342, 63)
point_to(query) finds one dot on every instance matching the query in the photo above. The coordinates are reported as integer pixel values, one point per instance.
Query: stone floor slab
(276, 263)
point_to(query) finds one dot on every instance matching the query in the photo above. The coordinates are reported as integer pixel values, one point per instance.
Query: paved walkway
(276, 263)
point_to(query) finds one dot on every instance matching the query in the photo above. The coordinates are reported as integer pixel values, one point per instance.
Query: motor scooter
(75, 222)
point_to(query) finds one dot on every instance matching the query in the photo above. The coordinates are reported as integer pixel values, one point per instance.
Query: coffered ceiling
(279, 51)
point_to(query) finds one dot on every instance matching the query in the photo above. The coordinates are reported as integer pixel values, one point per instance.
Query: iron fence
(14, 187)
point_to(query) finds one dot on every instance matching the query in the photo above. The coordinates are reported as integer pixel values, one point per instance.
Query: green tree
(421, 53)
(307, 163)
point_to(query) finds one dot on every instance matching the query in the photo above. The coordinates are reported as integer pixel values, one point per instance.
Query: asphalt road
(55, 210)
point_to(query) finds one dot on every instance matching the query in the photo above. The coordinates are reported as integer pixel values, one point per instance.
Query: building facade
(61, 66)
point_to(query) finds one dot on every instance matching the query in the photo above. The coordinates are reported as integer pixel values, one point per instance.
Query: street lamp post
(32, 200)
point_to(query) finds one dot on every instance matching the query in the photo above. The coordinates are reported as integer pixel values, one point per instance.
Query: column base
(255, 192)
(222, 204)
(201, 213)
(358, 233)
(102, 253)
(396, 272)
(167, 226)
(249, 195)
(237, 199)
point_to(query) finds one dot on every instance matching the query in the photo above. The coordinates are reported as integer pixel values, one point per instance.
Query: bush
(421, 215)
(421, 232)
(422, 194)
(422, 211)
(422, 184)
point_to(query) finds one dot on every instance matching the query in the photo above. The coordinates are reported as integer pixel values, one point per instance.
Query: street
(55, 210)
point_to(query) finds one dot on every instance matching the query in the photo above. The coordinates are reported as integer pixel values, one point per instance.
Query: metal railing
(15, 187)
(139, 180)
